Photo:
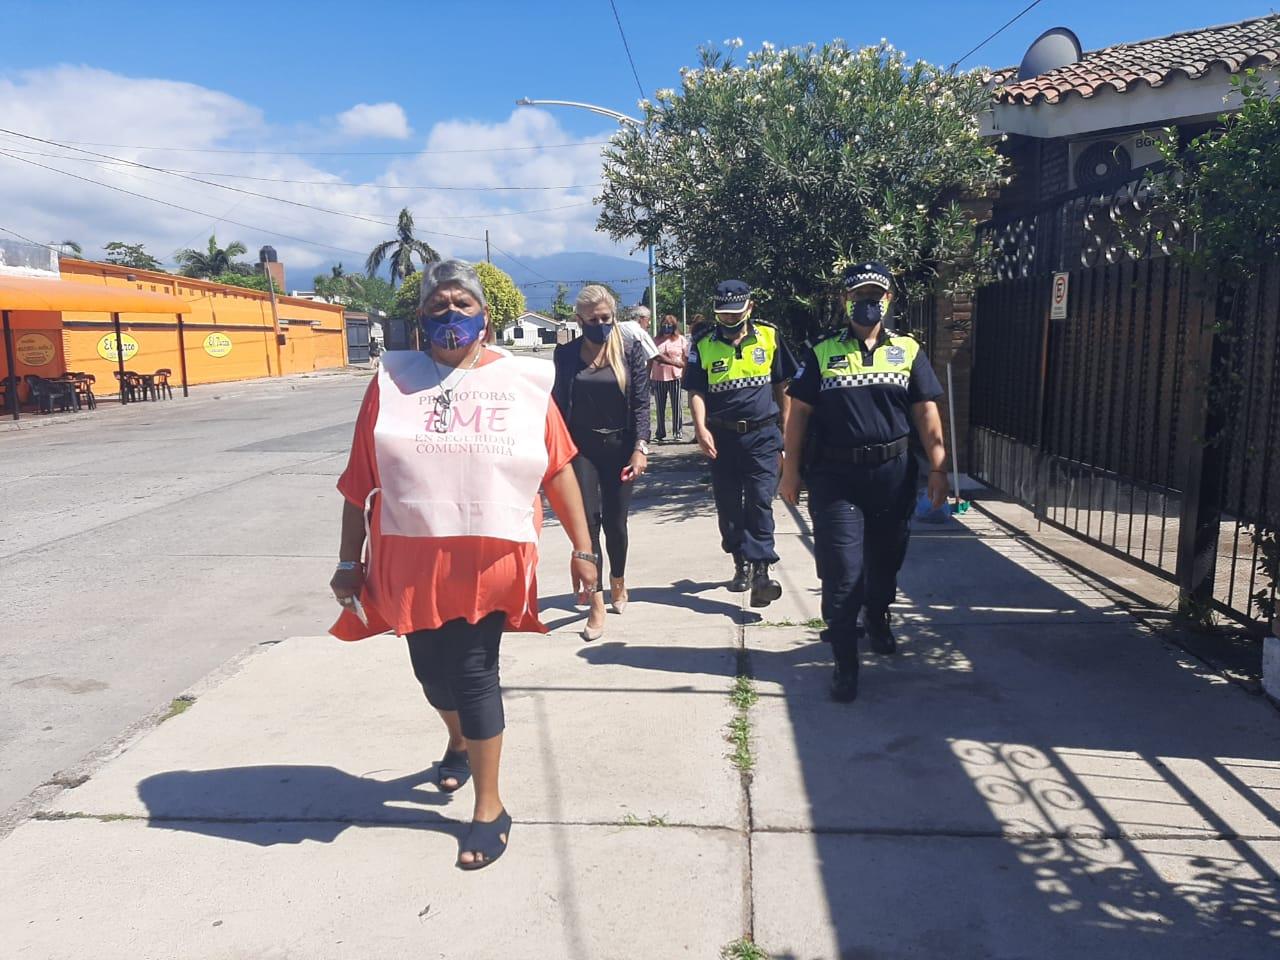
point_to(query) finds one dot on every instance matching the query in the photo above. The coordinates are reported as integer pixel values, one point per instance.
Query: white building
(537, 330)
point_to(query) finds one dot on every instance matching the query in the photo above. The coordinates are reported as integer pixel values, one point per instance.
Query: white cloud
(385, 120)
(89, 105)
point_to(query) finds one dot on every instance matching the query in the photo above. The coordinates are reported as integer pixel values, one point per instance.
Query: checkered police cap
(867, 273)
(732, 296)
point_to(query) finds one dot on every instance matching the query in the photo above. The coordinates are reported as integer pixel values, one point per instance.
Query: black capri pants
(457, 665)
(607, 499)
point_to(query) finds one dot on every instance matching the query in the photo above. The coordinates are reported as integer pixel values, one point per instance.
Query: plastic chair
(161, 381)
(83, 383)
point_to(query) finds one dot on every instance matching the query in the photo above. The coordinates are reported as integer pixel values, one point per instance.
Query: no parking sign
(1058, 308)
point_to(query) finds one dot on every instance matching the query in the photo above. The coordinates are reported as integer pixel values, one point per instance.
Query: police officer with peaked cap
(736, 379)
(860, 392)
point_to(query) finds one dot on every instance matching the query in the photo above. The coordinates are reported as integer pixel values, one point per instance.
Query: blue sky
(288, 76)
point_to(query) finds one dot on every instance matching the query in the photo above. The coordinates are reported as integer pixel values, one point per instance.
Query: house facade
(536, 330)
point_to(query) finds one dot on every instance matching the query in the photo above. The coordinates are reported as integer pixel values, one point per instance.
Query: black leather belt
(872, 454)
(740, 426)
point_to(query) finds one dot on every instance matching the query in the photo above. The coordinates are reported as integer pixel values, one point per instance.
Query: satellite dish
(1056, 47)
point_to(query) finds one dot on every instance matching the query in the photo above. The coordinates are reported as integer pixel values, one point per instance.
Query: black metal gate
(1144, 420)
(357, 339)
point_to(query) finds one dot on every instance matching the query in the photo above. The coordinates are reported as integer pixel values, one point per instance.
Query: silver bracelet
(583, 555)
(350, 565)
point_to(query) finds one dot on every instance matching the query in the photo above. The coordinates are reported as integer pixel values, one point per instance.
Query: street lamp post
(623, 119)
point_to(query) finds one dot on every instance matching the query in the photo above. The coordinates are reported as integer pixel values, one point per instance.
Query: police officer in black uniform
(736, 379)
(860, 392)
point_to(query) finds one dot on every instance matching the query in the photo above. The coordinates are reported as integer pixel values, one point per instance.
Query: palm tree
(212, 262)
(401, 251)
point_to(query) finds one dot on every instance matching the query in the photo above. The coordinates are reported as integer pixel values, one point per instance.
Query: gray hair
(639, 313)
(459, 272)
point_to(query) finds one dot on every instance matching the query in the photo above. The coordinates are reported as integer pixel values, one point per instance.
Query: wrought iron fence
(1146, 420)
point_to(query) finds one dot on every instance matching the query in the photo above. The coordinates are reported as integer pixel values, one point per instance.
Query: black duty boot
(764, 589)
(844, 682)
(878, 632)
(741, 581)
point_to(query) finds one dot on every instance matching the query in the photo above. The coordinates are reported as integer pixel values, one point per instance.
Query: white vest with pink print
(468, 468)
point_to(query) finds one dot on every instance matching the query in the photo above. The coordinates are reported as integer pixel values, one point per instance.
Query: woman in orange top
(451, 446)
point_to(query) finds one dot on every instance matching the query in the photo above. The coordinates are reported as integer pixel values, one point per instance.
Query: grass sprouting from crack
(744, 694)
(813, 623)
(742, 949)
(179, 705)
(744, 697)
(631, 820)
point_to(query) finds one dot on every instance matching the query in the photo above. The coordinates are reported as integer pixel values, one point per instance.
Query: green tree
(250, 281)
(561, 308)
(372, 294)
(130, 255)
(400, 251)
(213, 261)
(1223, 187)
(506, 302)
(69, 248)
(781, 171)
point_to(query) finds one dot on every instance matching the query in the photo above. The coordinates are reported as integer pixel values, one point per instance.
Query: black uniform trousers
(744, 478)
(861, 525)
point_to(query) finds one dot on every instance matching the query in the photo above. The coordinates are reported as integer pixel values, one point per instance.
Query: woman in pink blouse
(668, 366)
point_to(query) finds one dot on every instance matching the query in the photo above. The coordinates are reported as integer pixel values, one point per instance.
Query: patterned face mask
(453, 329)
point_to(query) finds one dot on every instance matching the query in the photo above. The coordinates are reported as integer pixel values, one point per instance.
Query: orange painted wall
(47, 326)
(315, 340)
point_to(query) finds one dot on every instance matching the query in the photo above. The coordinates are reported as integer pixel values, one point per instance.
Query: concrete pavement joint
(1204, 836)
(629, 820)
(743, 697)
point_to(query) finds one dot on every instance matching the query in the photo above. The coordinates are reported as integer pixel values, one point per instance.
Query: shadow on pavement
(1051, 783)
(681, 593)
(289, 803)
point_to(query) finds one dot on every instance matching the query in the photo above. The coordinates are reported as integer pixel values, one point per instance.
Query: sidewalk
(1034, 775)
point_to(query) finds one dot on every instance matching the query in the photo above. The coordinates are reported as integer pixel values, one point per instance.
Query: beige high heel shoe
(589, 632)
(617, 585)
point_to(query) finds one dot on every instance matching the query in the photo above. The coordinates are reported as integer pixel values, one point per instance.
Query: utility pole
(684, 304)
(487, 258)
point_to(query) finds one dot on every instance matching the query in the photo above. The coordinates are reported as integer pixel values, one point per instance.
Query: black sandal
(455, 765)
(486, 839)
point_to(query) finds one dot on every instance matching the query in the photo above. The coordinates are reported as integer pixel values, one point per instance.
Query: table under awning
(53, 295)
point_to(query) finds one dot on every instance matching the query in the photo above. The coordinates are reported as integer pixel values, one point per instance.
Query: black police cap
(732, 296)
(866, 273)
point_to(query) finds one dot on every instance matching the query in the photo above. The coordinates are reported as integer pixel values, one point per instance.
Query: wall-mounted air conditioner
(1099, 159)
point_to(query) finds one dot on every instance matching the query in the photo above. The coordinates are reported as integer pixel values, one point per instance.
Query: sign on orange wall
(217, 345)
(107, 347)
(35, 350)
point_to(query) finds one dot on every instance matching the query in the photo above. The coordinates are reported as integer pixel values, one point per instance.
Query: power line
(317, 183)
(519, 263)
(1020, 15)
(267, 196)
(626, 46)
(339, 153)
(201, 213)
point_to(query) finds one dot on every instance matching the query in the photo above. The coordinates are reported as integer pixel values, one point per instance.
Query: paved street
(144, 546)
(1035, 774)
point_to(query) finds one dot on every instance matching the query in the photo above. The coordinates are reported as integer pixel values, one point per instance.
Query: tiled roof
(1235, 46)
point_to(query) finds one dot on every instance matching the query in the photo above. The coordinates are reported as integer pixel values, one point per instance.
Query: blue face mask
(453, 330)
(865, 313)
(597, 332)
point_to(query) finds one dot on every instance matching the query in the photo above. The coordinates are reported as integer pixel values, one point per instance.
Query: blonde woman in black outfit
(602, 389)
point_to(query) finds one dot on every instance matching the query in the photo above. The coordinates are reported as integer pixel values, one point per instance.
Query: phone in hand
(358, 608)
